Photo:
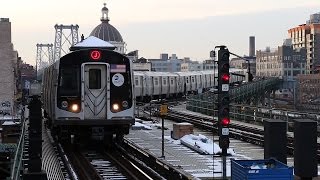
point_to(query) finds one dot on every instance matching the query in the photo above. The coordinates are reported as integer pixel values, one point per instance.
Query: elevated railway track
(121, 160)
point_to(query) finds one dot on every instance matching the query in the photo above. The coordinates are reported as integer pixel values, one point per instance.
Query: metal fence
(205, 103)
(17, 161)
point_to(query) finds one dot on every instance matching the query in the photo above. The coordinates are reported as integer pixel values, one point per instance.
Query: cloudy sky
(188, 28)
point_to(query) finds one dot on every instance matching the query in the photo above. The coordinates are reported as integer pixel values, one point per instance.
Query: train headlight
(64, 104)
(115, 107)
(75, 107)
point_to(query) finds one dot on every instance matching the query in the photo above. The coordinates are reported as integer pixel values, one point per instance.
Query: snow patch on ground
(203, 144)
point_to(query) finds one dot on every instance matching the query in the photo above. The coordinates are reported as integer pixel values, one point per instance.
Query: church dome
(105, 30)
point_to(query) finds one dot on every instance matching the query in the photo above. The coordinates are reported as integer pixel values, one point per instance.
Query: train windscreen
(69, 82)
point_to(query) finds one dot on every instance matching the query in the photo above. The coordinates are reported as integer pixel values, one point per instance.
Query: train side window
(171, 81)
(164, 82)
(94, 79)
(137, 81)
(156, 81)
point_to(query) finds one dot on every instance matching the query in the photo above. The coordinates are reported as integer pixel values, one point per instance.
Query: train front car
(94, 95)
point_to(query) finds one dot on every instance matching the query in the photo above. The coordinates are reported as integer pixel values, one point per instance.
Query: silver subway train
(89, 92)
(154, 85)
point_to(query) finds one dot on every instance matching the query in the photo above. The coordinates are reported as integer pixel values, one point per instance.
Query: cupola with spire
(105, 12)
(105, 30)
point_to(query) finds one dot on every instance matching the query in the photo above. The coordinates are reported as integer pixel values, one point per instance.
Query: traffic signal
(223, 98)
(223, 70)
(223, 114)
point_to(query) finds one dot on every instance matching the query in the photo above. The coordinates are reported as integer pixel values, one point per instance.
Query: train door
(94, 91)
(137, 88)
(148, 85)
(172, 86)
(178, 84)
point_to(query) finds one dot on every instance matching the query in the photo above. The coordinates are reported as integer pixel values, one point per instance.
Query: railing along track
(241, 132)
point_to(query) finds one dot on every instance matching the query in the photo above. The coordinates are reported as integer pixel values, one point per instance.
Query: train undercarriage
(83, 135)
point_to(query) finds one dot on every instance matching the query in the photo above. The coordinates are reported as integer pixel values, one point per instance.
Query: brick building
(308, 36)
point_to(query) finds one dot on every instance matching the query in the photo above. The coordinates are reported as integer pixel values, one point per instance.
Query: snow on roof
(93, 42)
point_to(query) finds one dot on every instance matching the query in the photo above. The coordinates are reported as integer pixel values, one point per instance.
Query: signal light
(95, 55)
(225, 55)
(225, 121)
(224, 144)
(225, 77)
(226, 66)
(225, 100)
(225, 111)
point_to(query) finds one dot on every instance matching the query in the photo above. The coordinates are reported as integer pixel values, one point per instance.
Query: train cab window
(94, 79)
(164, 82)
(69, 82)
(192, 79)
(137, 81)
(171, 81)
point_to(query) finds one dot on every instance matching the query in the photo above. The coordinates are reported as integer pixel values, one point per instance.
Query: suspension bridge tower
(44, 58)
(65, 37)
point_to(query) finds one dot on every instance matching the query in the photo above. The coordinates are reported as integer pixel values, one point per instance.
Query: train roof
(237, 70)
(159, 73)
(189, 73)
(92, 42)
(139, 73)
(209, 72)
(185, 73)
